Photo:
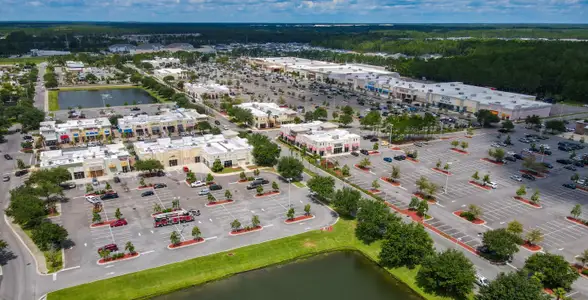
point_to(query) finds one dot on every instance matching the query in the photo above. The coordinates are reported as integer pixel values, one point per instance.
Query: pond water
(341, 275)
(99, 98)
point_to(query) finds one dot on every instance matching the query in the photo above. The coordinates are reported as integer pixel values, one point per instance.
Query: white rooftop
(261, 109)
(56, 158)
(325, 67)
(167, 115)
(211, 144)
(80, 124)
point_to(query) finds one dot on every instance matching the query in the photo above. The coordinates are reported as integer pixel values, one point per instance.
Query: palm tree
(486, 178)
(454, 144)
(255, 221)
(476, 176)
(438, 164)
(414, 203)
(228, 195)
(104, 254)
(364, 163)
(576, 211)
(521, 191)
(534, 236)
(475, 211)
(290, 214)
(559, 293)
(275, 186)
(446, 167)
(535, 197)
(96, 218)
(130, 247)
(211, 198)
(157, 208)
(117, 214)
(395, 173)
(174, 238)
(196, 233)
(464, 145)
(583, 257)
(432, 190)
(375, 184)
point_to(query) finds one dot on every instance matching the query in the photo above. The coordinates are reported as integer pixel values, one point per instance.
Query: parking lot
(214, 222)
(497, 205)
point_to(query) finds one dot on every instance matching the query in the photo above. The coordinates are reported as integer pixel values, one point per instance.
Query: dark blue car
(388, 159)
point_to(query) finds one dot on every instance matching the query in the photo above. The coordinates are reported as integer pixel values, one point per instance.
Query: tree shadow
(5, 256)
(67, 244)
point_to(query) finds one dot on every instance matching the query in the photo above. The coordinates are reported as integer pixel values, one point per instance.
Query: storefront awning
(64, 137)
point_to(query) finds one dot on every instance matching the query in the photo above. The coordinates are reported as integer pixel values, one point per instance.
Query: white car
(495, 145)
(204, 192)
(93, 199)
(481, 280)
(492, 184)
(516, 177)
(510, 153)
(197, 184)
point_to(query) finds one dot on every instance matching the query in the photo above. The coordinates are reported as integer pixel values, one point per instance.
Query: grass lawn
(299, 184)
(230, 170)
(53, 100)
(22, 60)
(50, 268)
(162, 280)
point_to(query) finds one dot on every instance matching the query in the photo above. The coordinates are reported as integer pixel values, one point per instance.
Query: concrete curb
(9, 223)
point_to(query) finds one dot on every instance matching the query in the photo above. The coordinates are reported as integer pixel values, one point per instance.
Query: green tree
(521, 191)
(346, 201)
(149, 165)
(583, 258)
(26, 209)
(20, 164)
(211, 198)
(55, 176)
(48, 235)
(507, 125)
(422, 208)
(535, 197)
(307, 209)
(290, 167)
(323, 186)
(259, 190)
(347, 110)
(507, 140)
(498, 154)
(96, 218)
(376, 146)
(373, 220)
(395, 174)
(515, 228)
(422, 183)
(345, 170)
(364, 163)
(464, 145)
(448, 273)
(575, 177)
(255, 221)
(174, 238)
(475, 211)
(486, 117)
(196, 233)
(118, 214)
(228, 195)
(438, 164)
(576, 211)
(236, 225)
(375, 184)
(217, 166)
(556, 271)
(373, 118)
(476, 176)
(130, 248)
(454, 144)
(345, 119)
(513, 285)
(290, 214)
(265, 153)
(414, 203)
(534, 236)
(275, 186)
(555, 125)
(501, 244)
(405, 245)
(209, 177)
(320, 114)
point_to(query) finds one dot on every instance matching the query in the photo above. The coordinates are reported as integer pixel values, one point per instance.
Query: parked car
(109, 247)
(204, 192)
(364, 152)
(547, 165)
(571, 168)
(7, 157)
(135, 109)
(518, 156)
(564, 161)
(374, 139)
(93, 199)
(516, 177)
(109, 196)
(481, 280)
(491, 184)
(528, 176)
(400, 157)
(255, 184)
(116, 179)
(418, 144)
(569, 186)
(20, 173)
(118, 223)
(215, 187)
(388, 159)
(217, 122)
(354, 153)
(197, 184)
(579, 163)
(510, 158)
(5, 178)
(159, 185)
(147, 193)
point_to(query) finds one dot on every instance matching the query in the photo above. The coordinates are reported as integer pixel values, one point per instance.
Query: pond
(100, 98)
(340, 275)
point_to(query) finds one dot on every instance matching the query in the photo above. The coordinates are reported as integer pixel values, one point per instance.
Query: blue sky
(331, 11)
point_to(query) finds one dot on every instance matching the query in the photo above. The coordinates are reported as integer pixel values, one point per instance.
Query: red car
(117, 223)
(109, 247)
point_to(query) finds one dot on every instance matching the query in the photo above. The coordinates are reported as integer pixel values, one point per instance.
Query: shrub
(468, 215)
(585, 272)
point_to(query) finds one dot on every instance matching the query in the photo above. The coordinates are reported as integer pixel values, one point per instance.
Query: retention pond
(102, 97)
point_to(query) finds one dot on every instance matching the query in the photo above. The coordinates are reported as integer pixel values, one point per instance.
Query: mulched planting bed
(531, 247)
(362, 169)
(412, 159)
(581, 270)
(266, 194)
(581, 188)
(577, 221)
(105, 223)
(532, 173)
(186, 243)
(149, 186)
(211, 204)
(480, 185)
(468, 136)
(526, 201)
(388, 180)
(441, 171)
(299, 219)
(374, 191)
(375, 152)
(423, 197)
(459, 151)
(476, 221)
(396, 148)
(244, 231)
(498, 163)
(111, 260)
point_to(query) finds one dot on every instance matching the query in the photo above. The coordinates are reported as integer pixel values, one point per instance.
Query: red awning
(64, 137)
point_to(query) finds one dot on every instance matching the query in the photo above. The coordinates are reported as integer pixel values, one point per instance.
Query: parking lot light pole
(447, 179)
(289, 184)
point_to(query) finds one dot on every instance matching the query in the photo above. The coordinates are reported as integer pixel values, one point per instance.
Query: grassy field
(230, 170)
(299, 184)
(165, 279)
(12, 61)
(53, 100)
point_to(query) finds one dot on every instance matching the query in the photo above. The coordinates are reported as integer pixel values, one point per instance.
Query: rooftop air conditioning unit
(452, 84)
(438, 85)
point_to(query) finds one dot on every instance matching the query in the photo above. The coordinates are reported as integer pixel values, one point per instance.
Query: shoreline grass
(53, 100)
(165, 279)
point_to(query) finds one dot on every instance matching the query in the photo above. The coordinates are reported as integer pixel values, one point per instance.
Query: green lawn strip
(50, 268)
(99, 87)
(53, 100)
(165, 279)
(299, 184)
(22, 60)
(230, 170)
(155, 95)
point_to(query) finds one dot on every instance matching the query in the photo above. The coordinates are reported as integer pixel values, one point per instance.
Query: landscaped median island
(172, 277)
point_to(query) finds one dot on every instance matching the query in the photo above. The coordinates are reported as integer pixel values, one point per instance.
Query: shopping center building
(91, 162)
(168, 121)
(231, 151)
(269, 115)
(324, 139)
(81, 130)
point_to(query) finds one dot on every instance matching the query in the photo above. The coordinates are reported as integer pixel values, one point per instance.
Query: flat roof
(55, 158)
(260, 109)
(167, 115)
(75, 124)
(211, 144)
(324, 67)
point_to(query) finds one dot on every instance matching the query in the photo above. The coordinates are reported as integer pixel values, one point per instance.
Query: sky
(299, 11)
